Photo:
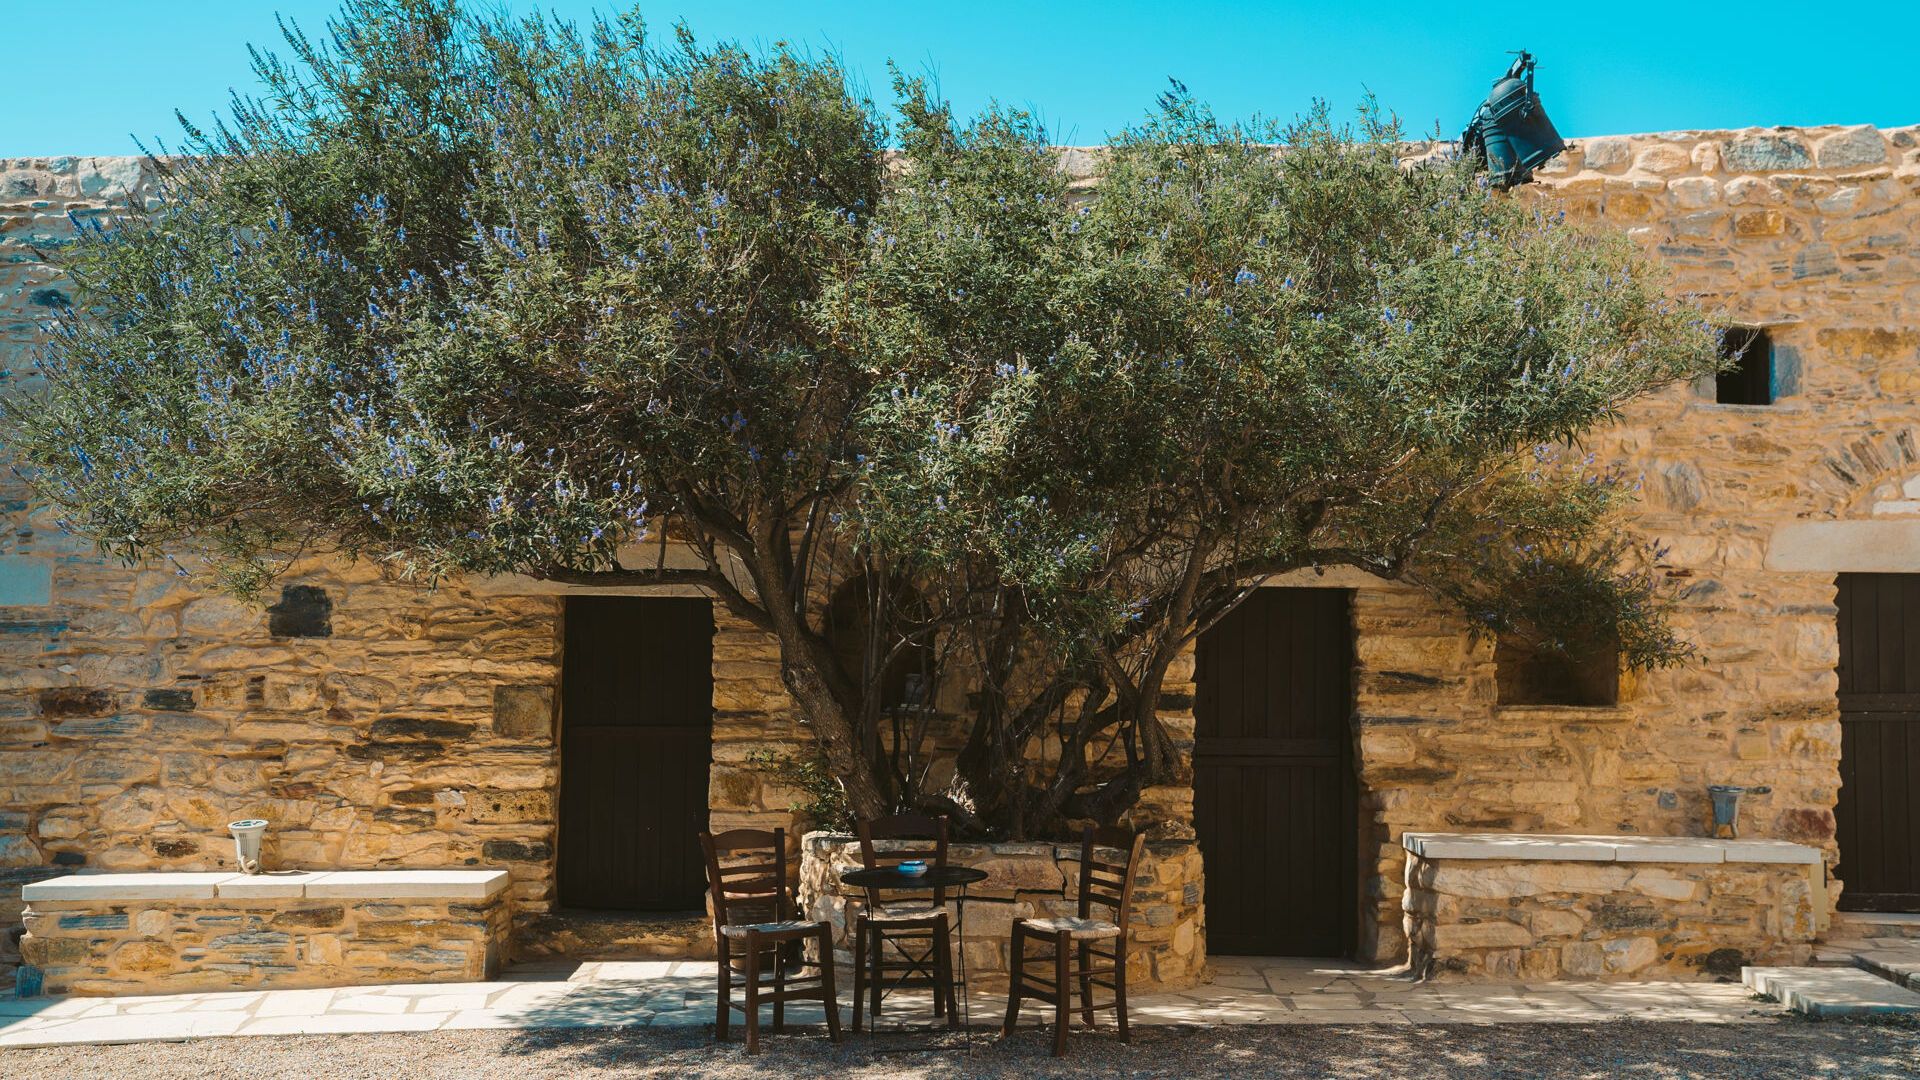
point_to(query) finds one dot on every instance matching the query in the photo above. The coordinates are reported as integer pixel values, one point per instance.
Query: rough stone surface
(138, 714)
(1851, 149)
(1166, 935)
(1553, 919)
(1831, 993)
(163, 946)
(374, 723)
(1837, 281)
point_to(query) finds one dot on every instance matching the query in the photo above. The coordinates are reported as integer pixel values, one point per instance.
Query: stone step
(1882, 923)
(597, 935)
(1831, 991)
(1900, 965)
(1856, 932)
(1875, 924)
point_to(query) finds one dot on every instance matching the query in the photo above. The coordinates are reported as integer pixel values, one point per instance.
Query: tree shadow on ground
(1777, 1048)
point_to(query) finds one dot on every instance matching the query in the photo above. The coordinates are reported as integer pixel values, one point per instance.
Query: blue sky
(121, 67)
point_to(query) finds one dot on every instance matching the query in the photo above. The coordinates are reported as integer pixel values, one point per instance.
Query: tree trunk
(807, 668)
(836, 735)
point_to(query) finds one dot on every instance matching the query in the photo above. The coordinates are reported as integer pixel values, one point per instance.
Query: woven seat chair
(757, 940)
(915, 925)
(1089, 948)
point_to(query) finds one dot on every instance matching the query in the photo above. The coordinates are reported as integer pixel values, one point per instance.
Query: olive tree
(1251, 349)
(975, 441)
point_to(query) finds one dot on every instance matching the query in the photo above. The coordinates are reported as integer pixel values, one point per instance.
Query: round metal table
(956, 878)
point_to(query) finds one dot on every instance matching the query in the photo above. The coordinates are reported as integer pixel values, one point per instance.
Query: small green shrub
(824, 801)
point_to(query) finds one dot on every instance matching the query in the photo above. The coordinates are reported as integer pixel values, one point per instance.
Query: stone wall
(1815, 234)
(138, 713)
(373, 722)
(1166, 934)
(1541, 920)
(175, 946)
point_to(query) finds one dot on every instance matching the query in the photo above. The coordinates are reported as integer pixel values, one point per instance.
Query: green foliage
(465, 296)
(823, 801)
(1242, 359)
(473, 295)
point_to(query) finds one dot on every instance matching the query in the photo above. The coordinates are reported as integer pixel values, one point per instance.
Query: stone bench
(165, 932)
(1498, 905)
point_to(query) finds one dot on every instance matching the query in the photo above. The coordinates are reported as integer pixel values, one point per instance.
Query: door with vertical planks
(1275, 802)
(1878, 817)
(636, 743)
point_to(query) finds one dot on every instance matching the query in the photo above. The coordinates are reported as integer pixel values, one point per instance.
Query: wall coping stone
(1547, 847)
(365, 884)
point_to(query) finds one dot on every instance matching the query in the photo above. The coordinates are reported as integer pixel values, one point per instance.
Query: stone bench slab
(410, 884)
(1572, 848)
(290, 885)
(356, 884)
(159, 886)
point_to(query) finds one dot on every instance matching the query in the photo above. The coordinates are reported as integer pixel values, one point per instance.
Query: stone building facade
(381, 726)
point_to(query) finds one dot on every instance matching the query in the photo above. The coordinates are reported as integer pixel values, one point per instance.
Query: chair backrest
(1109, 883)
(747, 876)
(904, 827)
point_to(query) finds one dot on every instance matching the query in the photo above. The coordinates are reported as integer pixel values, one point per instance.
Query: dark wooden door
(1879, 811)
(636, 742)
(1274, 791)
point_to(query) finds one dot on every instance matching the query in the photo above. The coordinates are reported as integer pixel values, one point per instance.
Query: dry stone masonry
(1166, 934)
(380, 725)
(1813, 234)
(1599, 907)
(169, 932)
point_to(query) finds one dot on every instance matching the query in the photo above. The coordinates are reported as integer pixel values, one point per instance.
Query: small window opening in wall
(1531, 675)
(1750, 380)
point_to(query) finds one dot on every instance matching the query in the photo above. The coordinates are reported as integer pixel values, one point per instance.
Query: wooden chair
(1083, 937)
(916, 925)
(757, 941)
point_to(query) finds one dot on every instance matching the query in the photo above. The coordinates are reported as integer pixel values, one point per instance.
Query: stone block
(1606, 154)
(523, 712)
(1770, 851)
(72, 701)
(1851, 149)
(1753, 191)
(1551, 923)
(1663, 160)
(304, 611)
(1505, 846)
(1694, 192)
(1481, 935)
(496, 806)
(1668, 849)
(25, 581)
(1665, 886)
(1759, 223)
(124, 887)
(1765, 153)
(1020, 874)
(219, 616)
(409, 884)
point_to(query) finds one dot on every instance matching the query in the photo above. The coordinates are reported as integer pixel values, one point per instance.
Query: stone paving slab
(657, 993)
(1831, 991)
(1899, 964)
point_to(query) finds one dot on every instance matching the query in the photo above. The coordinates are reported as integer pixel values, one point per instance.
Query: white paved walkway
(1245, 990)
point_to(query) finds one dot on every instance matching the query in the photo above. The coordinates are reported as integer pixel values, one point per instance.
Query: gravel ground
(1788, 1048)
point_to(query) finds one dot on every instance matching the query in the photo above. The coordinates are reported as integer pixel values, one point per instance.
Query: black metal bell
(1511, 132)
